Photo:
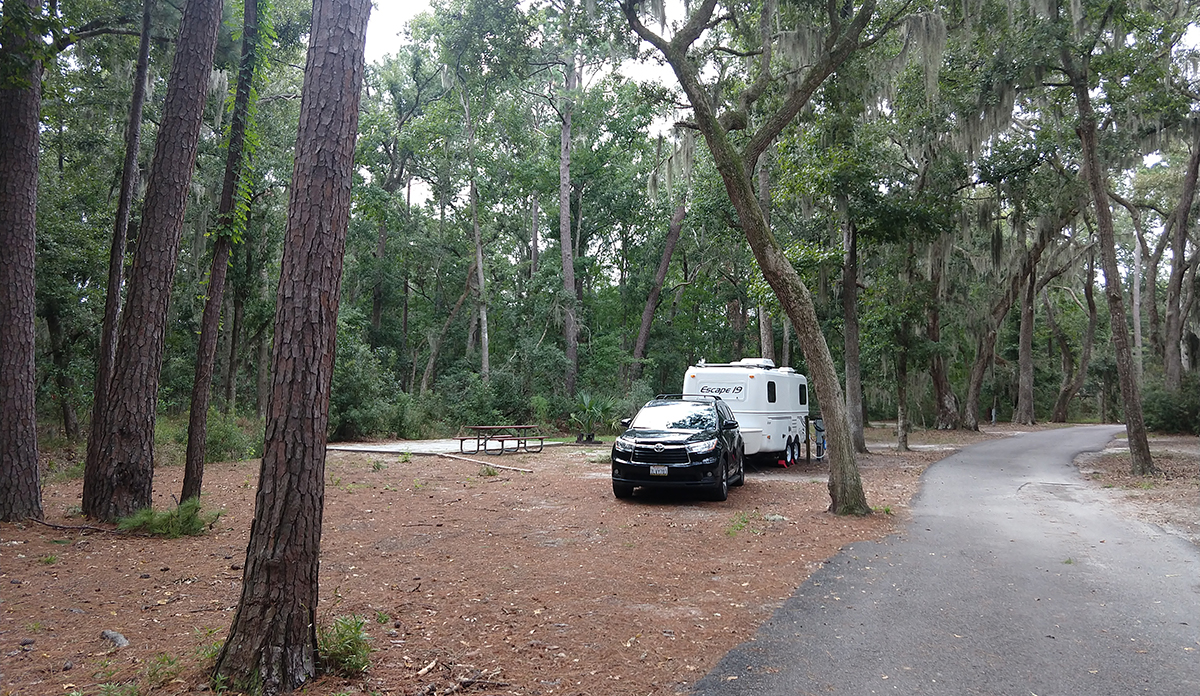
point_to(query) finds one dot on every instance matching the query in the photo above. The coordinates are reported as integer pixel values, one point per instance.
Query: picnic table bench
(508, 438)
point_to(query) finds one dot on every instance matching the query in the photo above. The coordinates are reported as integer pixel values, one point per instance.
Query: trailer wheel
(793, 451)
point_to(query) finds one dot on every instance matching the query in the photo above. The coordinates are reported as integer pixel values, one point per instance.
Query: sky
(387, 22)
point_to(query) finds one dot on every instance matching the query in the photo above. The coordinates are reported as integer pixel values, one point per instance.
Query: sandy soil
(513, 583)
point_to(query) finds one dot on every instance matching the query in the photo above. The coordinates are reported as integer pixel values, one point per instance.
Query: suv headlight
(702, 447)
(623, 444)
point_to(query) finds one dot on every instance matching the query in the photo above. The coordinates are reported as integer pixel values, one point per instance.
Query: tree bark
(1141, 463)
(660, 277)
(850, 332)
(570, 328)
(272, 640)
(210, 322)
(119, 480)
(1024, 412)
(20, 482)
(116, 252)
(845, 485)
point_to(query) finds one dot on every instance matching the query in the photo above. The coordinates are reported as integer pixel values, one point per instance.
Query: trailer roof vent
(765, 363)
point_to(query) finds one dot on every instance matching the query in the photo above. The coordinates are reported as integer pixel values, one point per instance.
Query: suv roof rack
(687, 397)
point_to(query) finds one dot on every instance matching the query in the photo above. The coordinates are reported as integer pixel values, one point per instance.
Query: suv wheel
(622, 490)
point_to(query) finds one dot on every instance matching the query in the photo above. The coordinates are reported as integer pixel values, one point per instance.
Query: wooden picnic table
(519, 436)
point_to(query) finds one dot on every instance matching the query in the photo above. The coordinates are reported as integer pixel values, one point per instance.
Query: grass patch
(740, 522)
(488, 470)
(344, 647)
(185, 520)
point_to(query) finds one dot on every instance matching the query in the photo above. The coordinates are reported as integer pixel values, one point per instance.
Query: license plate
(658, 470)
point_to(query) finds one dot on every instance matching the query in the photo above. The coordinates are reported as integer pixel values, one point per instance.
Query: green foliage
(184, 520)
(471, 400)
(593, 413)
(1174, 412)
(344, 646)
(161, 669)
(360, 402)
(232, 439)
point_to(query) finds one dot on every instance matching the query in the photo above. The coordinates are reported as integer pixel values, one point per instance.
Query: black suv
(678, 441)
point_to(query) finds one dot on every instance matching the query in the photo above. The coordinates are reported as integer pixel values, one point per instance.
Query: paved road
(1014, 578)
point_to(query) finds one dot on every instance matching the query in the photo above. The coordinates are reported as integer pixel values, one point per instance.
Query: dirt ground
(515, 583)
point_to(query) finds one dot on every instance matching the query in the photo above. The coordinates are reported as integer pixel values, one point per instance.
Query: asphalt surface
(1015, 577)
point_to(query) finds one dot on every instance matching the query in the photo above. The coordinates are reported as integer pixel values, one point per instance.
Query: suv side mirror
(730, 425)
(625, 422)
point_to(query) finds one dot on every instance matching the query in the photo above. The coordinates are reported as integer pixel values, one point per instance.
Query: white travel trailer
(770, 403)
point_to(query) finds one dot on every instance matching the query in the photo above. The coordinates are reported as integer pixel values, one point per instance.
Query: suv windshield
(676, 415)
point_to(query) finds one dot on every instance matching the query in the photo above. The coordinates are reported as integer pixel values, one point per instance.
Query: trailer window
(770, 391)
(803, 394)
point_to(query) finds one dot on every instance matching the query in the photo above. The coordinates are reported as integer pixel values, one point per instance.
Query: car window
(679, 415)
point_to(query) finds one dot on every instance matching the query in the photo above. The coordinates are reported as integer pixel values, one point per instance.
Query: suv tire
(622, 490)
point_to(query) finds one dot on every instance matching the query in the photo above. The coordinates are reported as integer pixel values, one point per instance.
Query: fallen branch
(83, 528)
(494, 466)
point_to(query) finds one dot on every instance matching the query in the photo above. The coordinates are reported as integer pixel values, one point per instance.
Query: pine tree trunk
(272, 640)
(20, 483)
(206, 353)
(119, 480)
(1141, 464)
(660, 277)
(570, 329)
(116, 252)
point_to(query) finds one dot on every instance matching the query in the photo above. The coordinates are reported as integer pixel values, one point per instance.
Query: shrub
(359, 404)
(231, 439)
(1174, 412)
(184, 520)
(344, 647)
